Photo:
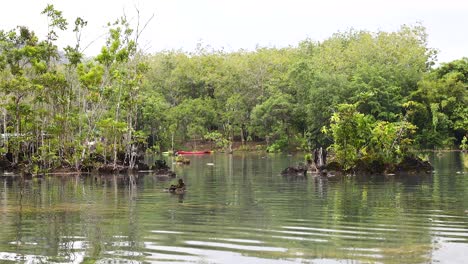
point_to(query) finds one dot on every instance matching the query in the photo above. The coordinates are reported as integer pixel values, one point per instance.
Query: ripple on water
(236, 212)
(231, 246)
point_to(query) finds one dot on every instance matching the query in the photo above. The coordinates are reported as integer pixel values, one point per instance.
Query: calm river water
(238, 209)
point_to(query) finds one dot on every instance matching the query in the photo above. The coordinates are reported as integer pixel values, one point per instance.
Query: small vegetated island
(370, 98)
(362, 144)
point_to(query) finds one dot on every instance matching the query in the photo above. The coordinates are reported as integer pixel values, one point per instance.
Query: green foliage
(273, 117)
(351, 132)
(367, 88)
(193, 117)
(390, 141)
(73, 54)
(278, 145)
(357, 136)
(464, 144)
(218, 138)
(442, 117)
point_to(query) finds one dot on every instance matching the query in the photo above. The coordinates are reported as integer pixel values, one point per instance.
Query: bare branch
(92, 42)
(138, 31)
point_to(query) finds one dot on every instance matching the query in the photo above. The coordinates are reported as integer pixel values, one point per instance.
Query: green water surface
(238, 209)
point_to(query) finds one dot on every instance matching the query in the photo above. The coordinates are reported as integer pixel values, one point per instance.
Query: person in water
(180, 186)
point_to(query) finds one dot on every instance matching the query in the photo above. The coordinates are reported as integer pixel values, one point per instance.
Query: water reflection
(238, 208)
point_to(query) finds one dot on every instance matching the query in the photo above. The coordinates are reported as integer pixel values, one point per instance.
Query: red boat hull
(181, 152)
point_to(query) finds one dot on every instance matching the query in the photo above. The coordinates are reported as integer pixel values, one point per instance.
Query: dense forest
(357, 91)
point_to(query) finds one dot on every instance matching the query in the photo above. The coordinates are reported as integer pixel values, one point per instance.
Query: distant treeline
(62, 109)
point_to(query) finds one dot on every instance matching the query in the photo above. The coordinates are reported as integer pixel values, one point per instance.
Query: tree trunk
(5, 129)
(242, 135)
(320, 158)
(18, 129)
(172, 142)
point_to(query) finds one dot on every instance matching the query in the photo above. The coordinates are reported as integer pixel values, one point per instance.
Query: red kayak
(193, 152)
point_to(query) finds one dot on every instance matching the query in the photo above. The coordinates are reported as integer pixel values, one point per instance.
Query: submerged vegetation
(374, 95)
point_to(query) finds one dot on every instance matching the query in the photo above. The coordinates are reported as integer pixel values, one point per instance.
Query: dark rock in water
(333, 166)
(161, 164)
(331, 169)
(142, 166)
(411, 164)
(369, 167)
(161, 169)
(299, 170)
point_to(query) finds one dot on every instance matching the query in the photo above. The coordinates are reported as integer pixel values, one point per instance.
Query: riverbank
(97, 163)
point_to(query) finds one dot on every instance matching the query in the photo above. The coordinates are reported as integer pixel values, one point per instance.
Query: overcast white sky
(244, 24)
